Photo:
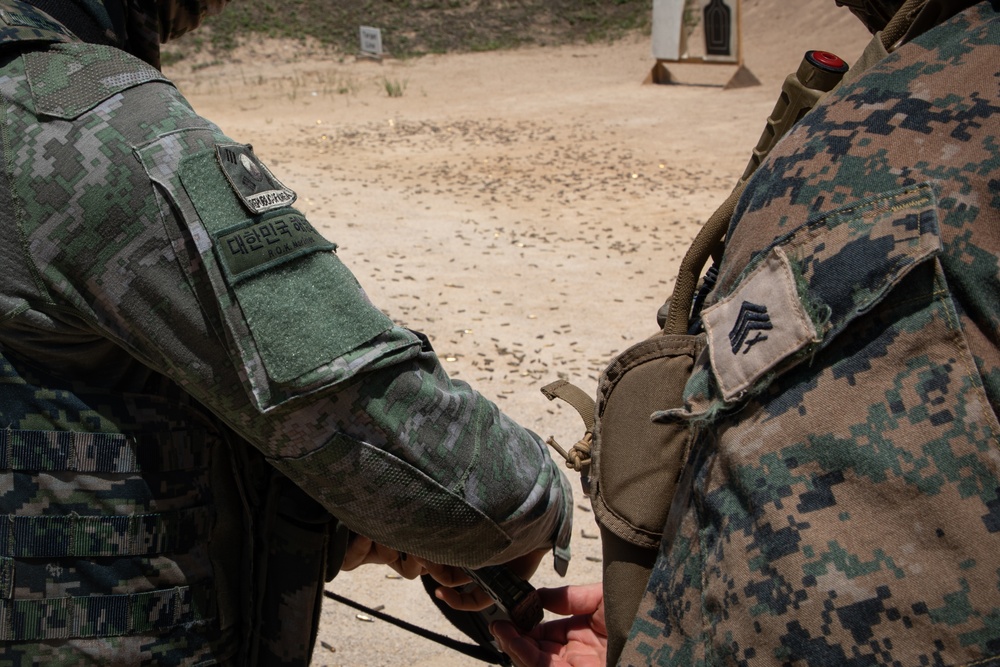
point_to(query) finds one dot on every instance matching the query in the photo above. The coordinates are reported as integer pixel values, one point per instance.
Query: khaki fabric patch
(757, 326)
(254, 184)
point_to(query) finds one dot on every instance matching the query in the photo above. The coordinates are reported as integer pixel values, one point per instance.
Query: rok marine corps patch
(257, 245)
(253, 183)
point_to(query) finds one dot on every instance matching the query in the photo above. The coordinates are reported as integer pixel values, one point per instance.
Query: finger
(383, 554)
(572, 600)
(522, 650)
(446, 575)
(407, 566)
(525, 566)
(565, 631)
(466, 598)
(357, 550)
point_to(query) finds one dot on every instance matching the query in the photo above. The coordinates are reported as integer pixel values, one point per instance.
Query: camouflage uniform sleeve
(164, 247)
(469, 486)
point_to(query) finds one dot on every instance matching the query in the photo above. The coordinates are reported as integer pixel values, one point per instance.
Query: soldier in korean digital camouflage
(192, 384)
(840, 504)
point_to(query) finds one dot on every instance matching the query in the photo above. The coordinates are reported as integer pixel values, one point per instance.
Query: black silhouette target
(718, 26)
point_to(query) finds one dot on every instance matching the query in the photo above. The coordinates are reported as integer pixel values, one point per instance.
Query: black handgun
(513, 595)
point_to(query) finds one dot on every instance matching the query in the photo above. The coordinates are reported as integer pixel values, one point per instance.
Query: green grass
(417, 27)
(394, 87)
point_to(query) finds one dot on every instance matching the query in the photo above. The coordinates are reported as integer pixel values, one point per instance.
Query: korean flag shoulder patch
(254, 184)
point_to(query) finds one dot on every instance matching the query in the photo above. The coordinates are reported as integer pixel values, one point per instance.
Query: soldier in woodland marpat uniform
(840, 504)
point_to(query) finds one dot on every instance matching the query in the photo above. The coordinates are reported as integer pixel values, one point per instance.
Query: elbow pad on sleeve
(396, 504)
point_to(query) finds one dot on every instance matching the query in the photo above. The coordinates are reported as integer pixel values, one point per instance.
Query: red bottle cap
(827, 61)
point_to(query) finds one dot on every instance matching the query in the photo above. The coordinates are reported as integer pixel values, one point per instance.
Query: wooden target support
(721, 23)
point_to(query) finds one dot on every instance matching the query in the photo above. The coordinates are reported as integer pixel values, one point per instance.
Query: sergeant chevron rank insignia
(753, 317)
(761, 323)
(253, 183)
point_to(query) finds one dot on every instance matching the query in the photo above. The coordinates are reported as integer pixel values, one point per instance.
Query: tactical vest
(136, 528)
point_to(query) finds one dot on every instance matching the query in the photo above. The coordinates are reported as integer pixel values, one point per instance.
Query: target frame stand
(721, 22)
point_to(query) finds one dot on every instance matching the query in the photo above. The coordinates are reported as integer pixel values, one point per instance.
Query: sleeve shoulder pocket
(294, 317)
(809, 285)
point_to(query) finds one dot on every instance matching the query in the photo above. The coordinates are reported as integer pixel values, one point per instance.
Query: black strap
(474, 624)
(471, 650)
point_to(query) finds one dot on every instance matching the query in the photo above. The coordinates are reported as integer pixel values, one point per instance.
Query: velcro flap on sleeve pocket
(302, 306)
(291, 310)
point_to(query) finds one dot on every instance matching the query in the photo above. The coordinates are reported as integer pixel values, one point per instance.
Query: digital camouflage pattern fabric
(844, 504)
(181, 355)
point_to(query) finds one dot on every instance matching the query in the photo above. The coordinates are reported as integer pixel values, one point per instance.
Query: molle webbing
(104, 615)
(104, 512)
(75, 536)
(96, 537)
(76, 451)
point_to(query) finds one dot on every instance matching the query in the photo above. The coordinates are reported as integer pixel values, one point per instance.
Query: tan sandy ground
(526, 209)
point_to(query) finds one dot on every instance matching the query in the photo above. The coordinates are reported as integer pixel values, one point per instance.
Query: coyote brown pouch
(635, 466)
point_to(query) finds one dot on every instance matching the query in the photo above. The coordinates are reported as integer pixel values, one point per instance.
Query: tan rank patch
(757, 326)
